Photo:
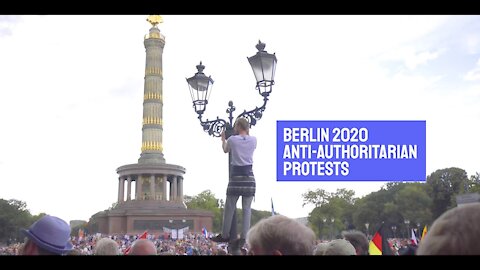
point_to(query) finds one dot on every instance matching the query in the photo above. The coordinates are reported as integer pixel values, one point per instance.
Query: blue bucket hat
(51, 234)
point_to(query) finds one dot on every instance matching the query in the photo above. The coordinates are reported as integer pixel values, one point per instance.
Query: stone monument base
(136, 217)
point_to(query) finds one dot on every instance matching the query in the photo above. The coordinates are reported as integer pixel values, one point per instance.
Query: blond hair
(242, 124)
(283, 234)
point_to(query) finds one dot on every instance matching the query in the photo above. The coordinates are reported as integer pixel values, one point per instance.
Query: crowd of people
(456, 232)
(100, 244)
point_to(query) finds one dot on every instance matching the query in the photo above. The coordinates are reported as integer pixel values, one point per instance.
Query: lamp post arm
(256, 114)
(213, 127)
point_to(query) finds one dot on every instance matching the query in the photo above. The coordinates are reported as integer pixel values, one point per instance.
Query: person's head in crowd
(408, 250)
(48, 236)
(143, 247)
(320, 248)
(106, 246)
(336, 247)
(455, 232)
(74, 252)
(358, 240)
(221, 252)
(280, 235)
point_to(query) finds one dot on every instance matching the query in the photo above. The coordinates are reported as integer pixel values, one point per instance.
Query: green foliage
(332, 213)
(444, 185)
(474, 183)
(14, 216)
(206, 200)
(393, 204)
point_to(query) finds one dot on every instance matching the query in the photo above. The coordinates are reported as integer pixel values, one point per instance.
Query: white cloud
(474, 74)
(421, 58)
(8, 23)
(473, 43)
(410, 56)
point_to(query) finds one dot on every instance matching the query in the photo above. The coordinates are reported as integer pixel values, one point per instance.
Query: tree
(14, 216)
(474, 183)
(333, 210)
(414, 203)
(206, 200)
(444, 185)
(318, 197)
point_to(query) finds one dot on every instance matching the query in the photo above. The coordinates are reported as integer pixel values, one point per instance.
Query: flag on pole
(424, 232)
(273, 210)
(143, 236)
(205, 232)
(81, 234)
(379, 244)
(414, 238)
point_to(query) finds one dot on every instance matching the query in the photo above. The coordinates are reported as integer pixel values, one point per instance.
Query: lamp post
(263, 65)
(394, 229)
(407, 222)
(324, 225)
(366, 225)
(332, 228)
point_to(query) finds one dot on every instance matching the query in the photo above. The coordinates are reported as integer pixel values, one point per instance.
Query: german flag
(379, 244)
(424, 232)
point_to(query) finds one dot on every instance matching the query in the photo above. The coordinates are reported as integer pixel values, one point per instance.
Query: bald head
(143, 247)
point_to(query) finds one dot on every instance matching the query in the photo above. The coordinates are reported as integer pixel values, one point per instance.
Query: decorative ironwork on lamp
(263, 65)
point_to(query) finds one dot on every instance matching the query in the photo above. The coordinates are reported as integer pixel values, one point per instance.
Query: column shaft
(152, 186)
(170, 198)
(174, 188)
(129, 188)
(164, 185)
(180, 188)
(139, 195)
(120, 190)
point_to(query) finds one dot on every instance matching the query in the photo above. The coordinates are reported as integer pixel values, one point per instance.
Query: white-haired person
(320, 248)
(280, 235)
(340, 247)
(105, 247)
(358, 240)
(455, 232)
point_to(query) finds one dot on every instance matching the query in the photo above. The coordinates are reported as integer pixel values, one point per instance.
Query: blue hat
(51, 234)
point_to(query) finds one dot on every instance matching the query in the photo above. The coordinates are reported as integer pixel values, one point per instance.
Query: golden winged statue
(154, 19)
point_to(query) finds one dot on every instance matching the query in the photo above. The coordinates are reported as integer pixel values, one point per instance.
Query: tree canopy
(402, 206)
(14, 216)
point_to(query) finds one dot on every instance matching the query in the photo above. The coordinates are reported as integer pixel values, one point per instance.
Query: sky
(71, 93)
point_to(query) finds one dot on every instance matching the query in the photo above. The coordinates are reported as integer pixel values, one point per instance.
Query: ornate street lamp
(200, 89)
(366, 225)
(394, 229)
(263, 65)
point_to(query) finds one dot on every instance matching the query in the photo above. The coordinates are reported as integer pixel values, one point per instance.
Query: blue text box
(351, 150)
